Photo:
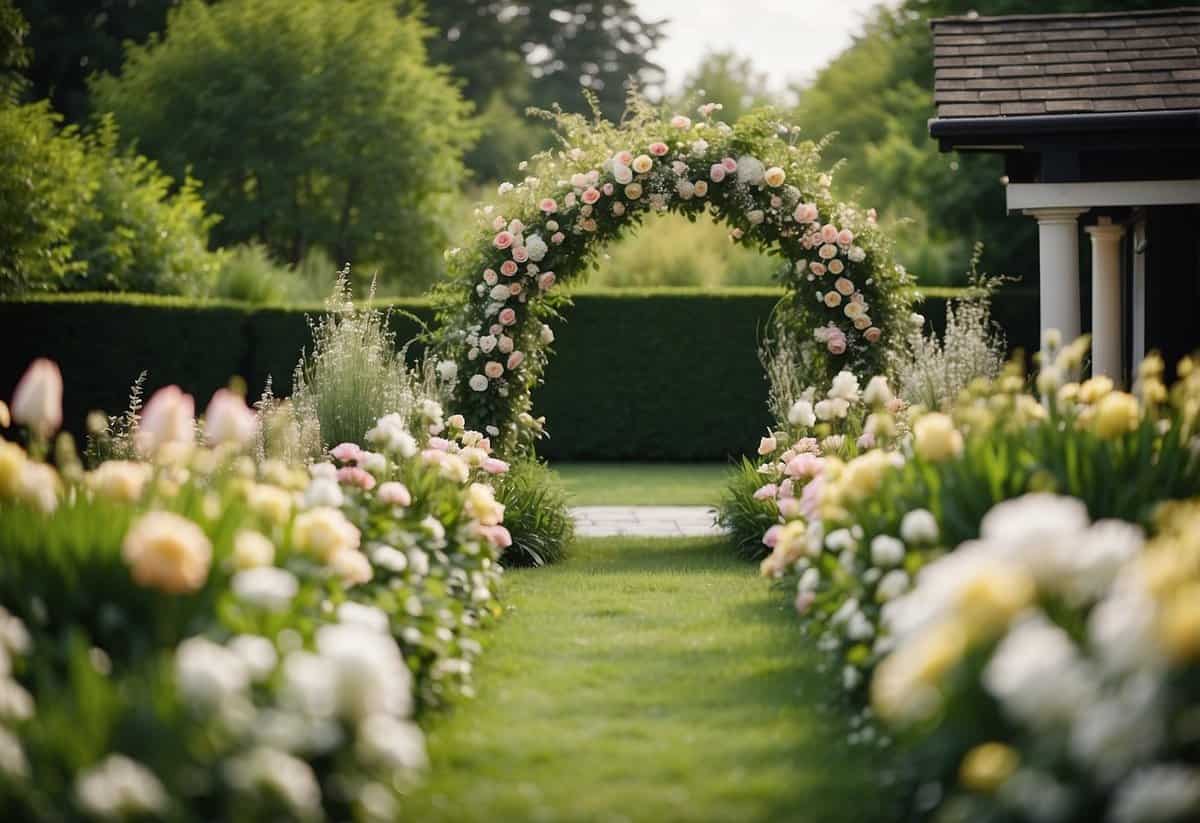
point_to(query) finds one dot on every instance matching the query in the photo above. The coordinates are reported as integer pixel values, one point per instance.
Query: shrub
(346, 138)
(744, 516)
(536, 514)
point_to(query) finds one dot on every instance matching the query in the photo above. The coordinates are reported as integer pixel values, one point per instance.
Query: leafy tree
(14, 56)
(312, 124)
(729, 79)
(71, 39)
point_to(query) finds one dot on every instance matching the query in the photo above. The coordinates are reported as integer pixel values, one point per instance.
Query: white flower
(859, 628)
(840, 539)
(37, 400)
(537, 248)
(228, 419)
(323, 492)
(397, 744)
(266, 587)
(750, 170)
(286, 777)
(16, 704)
(801, 414)
(1110, 736)
(118, 787)
(891, 585)
(257, 653)
(1157, 794)
(368, 617)
(833, 409)
(809, 580)
(877, 392)
(499, 293)
(547, 334)
(391, 434)
(918, 527)
(1037, 674)
(857, 255)
(389, 558)
(447, 370)
(13, 763)
(755, 216)
(478, 382)
(372, 677)
(886, 551)
(1122, 629)
(845, 387)
(851, 677)
(699, 146)
(208, 673)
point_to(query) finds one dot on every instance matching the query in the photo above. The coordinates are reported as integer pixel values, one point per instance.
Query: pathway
(645, 521)
(644, 680)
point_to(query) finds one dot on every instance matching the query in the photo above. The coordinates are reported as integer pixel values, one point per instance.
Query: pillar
(1106, 298)
(1058, 264)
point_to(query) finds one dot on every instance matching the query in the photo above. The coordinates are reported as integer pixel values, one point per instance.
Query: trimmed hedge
(651, 374)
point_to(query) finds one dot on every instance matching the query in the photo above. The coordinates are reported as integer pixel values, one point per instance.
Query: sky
(788, 39)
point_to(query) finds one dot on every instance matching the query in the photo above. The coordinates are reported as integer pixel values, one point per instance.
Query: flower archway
(845, 294)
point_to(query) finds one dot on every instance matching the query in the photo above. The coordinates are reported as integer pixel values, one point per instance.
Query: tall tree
(729, 79)
(310, 124)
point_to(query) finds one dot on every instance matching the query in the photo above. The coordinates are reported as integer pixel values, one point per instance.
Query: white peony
(266, 587)
(750, 170)
(918, 527)
(801, 414)
(886, 551)
(536, 246)
(845, 387)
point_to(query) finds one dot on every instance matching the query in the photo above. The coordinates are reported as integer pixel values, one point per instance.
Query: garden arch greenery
(846, 296)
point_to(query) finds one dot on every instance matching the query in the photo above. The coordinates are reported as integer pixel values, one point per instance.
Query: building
(1097, 117)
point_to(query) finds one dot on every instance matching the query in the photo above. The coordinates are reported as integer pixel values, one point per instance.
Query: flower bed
(202, 631)
(1007, 588)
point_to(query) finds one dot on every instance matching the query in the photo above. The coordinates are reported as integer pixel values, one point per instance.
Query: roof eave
(952, 132)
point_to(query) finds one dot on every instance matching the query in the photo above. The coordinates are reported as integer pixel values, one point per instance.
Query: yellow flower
(1096, 389)
(323, 532)
(1179, 624)
(1116, 414)
(12, 462)
(269, 502)
(935, 439)
(481, 505)
(252, 549)
(120, 480)
(988, 766)
(167, 552)
(5, 415)
(788, 549)
(863, 475)
(992, 599)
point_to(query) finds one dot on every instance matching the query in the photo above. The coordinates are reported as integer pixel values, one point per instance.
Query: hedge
(652, 374)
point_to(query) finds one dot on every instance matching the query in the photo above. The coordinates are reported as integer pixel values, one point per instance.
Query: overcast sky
(787, 39)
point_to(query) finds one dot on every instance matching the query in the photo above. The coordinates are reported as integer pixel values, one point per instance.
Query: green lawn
(645, 680)
(644, 484)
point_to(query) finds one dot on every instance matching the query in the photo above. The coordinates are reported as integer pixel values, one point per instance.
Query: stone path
(645, 521)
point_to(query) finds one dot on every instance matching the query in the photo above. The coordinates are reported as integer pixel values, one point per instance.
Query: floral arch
(845, 294)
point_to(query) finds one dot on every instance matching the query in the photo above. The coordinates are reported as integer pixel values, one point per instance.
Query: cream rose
(167, 552)
(323, 532)
(935, 438)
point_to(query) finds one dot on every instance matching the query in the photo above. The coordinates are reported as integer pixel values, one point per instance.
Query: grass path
(643, 484)
(643, 680)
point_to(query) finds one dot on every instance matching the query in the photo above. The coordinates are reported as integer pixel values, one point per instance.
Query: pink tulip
(37, 401)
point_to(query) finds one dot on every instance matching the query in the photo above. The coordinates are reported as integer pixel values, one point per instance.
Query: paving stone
(645, 521)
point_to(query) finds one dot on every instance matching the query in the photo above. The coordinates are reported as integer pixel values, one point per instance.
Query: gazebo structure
(1098, 119)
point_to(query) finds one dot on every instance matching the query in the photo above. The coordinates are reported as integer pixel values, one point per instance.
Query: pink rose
(499, 222)
(507, 317)
(439, 443)
(845, 237)
(625, 158)
(836, 343)
(806, 464)
(659, 149)
(844, 285)
(515, 359)
(394, 494)
(516, 226)
(873, 334)
(498, 536)
(549, 206)
(772, 536)
(494, 465)
(557, 238)
(347, 452)
(508, 268)
(504, 344)
(514, 289)
(817, 268)
(717, 173)
(590, 195)
(520, 254)
(503, 239)
(730, 164)
(546, 280)
(681, 122)
(608, 189)
(493, 369)
(810, 498)
(766, 492)
(354, 476)
(829, 233)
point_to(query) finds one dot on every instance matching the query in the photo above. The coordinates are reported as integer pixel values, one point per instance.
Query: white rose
(487, 343)
(547, 335)
(801, 414)
(478, 382)
(919, 526)
(886, 551)
(750, 170)
(536, 247)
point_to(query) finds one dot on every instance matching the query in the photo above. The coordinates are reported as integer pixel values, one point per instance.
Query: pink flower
(804, 465)
(514, 289)
(836, 343)
(845, 237)
(37, 401)
(520, 254)
(504, 344)
(499, 222)
(680, 122)
(347, 452)
(228, 419)
(730, 164)
(873, 334)
(766, 492)
(816, 268)
(169, 417)
(498, 536)
(790, 508)
(804, 601)
(516, 226)
(717, 173)
(546, 281)
(494, 465)
(766, 445)
(772, 536)
(515, 359)
(557, 238)
(806, 444)
(625, 158)
(508, 268)
(439, 443)
(659, 149)
(549, 206)
(867, 440)
(354, 476)
(503, 239)
(495, 329)
(590, 195)
(608, 189)
(829, 233)
(489, 277)
(493, 369)
(394, 494)
(810, 498)
(844, 285)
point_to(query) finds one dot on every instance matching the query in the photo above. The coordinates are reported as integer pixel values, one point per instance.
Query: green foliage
(14, 55)
(628, 483)
(727, 78)
(249, 274)
(346, 138)
(535, 514)
(745, 518)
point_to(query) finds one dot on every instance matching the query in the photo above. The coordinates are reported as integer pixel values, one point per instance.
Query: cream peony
(120, 480)
(935, 438)
(323, 532)
(351, 566)
(775, 176)
(167, 552)
(481, 505)
(252, 549)
(642, 163)
(801, 414)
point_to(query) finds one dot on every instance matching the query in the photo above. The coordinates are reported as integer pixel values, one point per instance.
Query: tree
(14, 56)
(311, 124)
(725, 77)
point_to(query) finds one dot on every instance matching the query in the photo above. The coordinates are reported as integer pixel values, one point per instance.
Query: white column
(1106, 298)
(1058, 263)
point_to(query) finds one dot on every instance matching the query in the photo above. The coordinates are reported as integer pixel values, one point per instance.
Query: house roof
(1056, 65)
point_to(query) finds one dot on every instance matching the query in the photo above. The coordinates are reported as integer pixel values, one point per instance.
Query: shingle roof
(1067, 63)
